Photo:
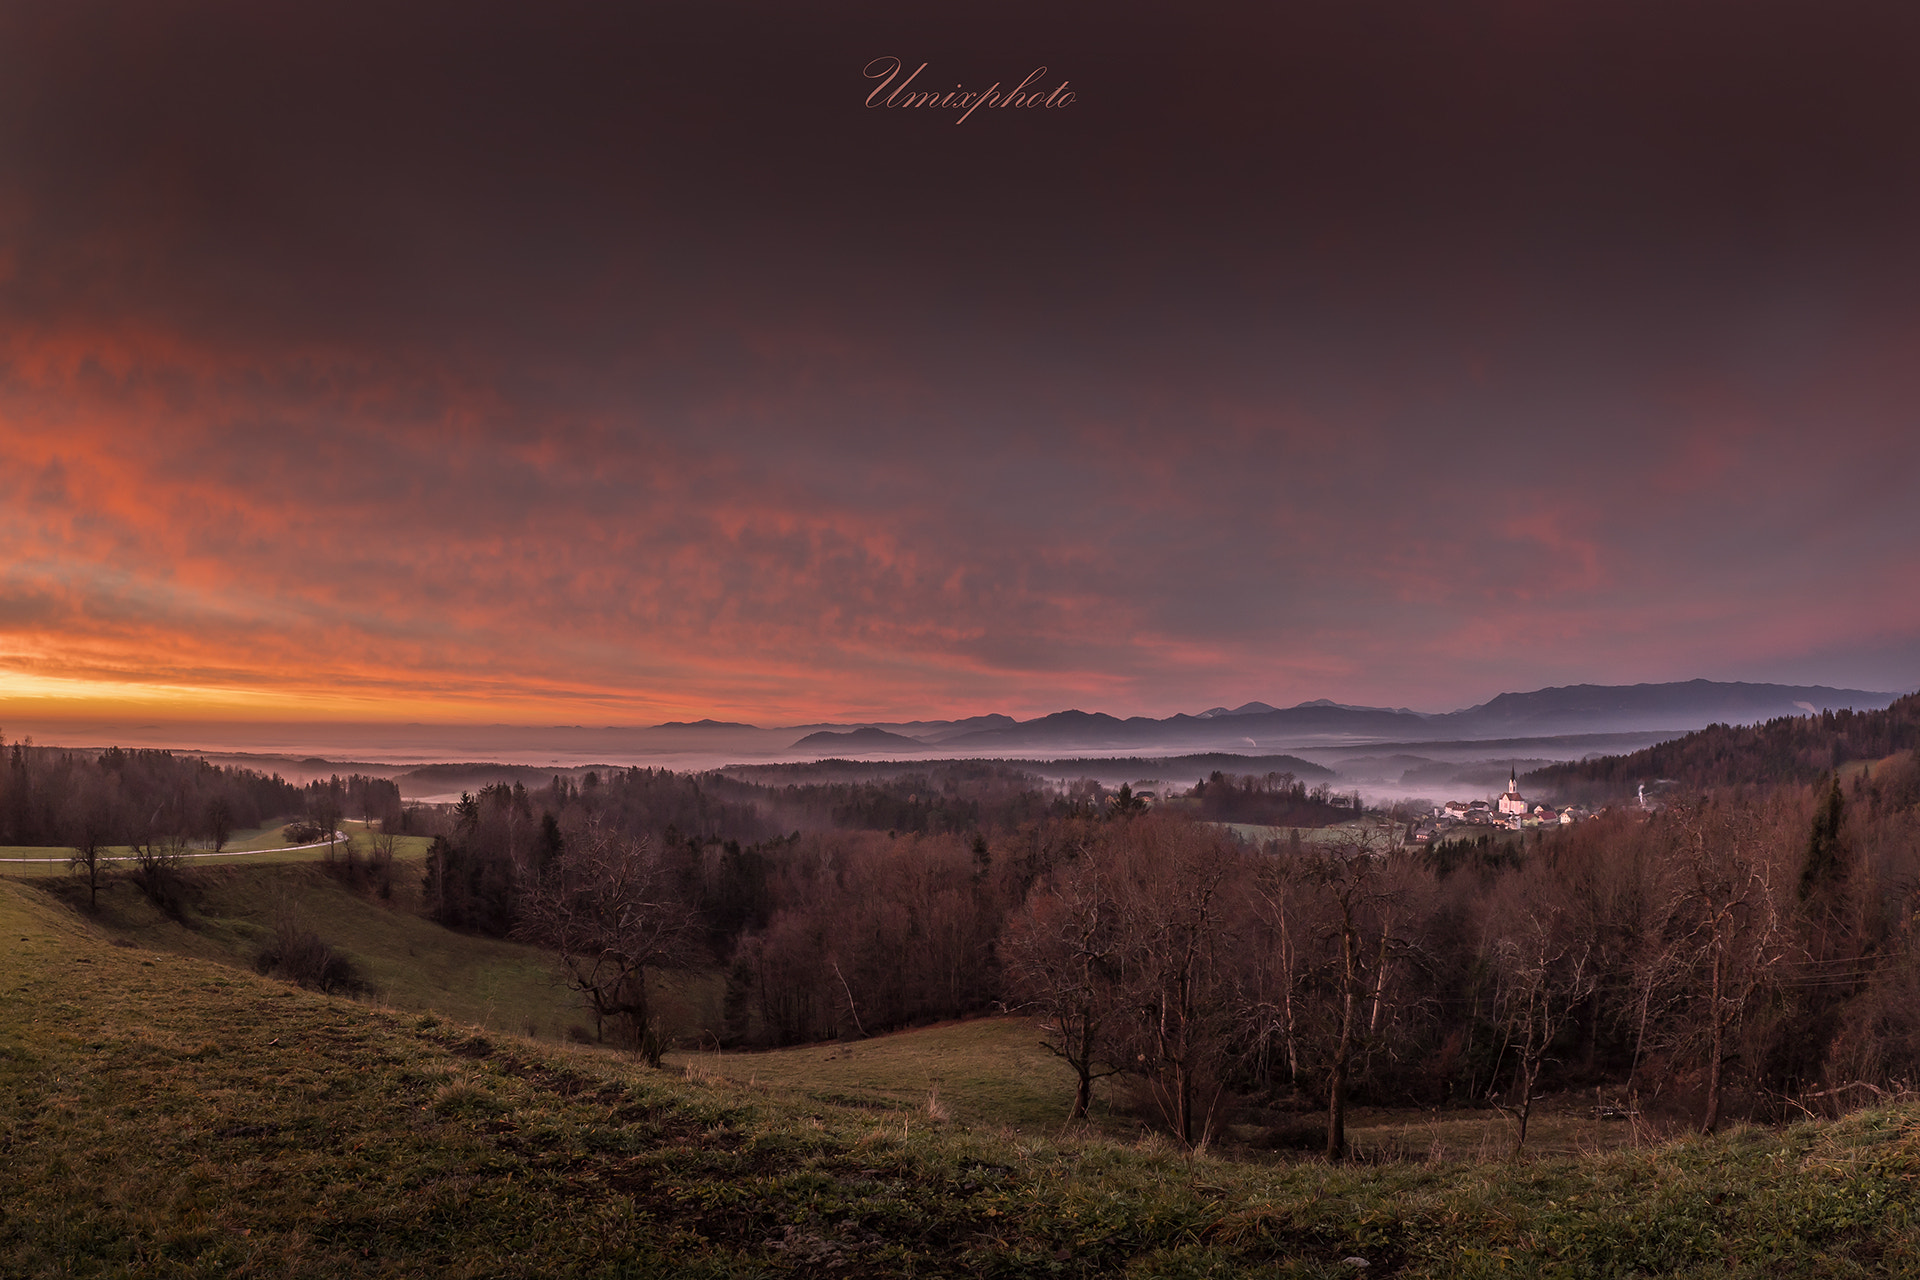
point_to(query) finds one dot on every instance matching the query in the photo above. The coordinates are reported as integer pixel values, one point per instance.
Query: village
(1510, 811)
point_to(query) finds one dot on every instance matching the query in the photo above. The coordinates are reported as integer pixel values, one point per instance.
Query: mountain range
(1677, 707)
(1364, 744)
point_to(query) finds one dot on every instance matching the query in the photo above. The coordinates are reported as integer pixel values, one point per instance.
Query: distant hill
(1689, 704)
(449, 779)
(1109, 770)
(1231, 730)
(858, 740)
(1794, 749)
(704, 724)
(1557, 712)
(1197, 765)
(941, 730)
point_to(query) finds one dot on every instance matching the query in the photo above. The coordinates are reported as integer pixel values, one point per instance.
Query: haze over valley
(1386, 753)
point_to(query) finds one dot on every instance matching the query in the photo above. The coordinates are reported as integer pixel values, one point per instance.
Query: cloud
(482, 370)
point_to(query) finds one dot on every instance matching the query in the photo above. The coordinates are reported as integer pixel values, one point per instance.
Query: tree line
(1789, 749)
(52, 796)
(1745, 950)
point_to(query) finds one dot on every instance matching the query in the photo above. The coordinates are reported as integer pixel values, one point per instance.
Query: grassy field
(1256, 833)
(255, 845)
(994, 1072)
(163, 1115)
(406, 960)
(991, 1071)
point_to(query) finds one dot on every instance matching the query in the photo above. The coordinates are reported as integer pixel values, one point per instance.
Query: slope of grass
(406, 960)
(160, 1115)
(994, 1072)
(991, 1071)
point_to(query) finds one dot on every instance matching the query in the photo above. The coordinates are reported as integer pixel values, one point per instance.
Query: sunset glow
(610, 391)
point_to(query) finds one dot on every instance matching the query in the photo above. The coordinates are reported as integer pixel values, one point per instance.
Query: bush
(159, 870)
(302, 833)
(301, 956)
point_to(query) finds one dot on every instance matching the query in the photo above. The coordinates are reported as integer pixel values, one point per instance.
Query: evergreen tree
(1826, 856)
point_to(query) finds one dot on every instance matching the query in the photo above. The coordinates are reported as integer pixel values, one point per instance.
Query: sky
(609, 363)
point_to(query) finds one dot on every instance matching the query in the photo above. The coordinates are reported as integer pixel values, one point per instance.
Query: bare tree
(386, 842)
(1543, 973)
(608, 907)
(91, 818)
(326, 806)
(219, 822)
(1062, 953)
(1273, 997)
(1175, 918)
(1349, 876)
(1735, 934)
(159, 863)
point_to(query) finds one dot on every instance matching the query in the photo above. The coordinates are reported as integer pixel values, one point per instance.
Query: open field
(1260, 834)
(994, 1072)
(990, 1071)
(165, 1116)
(407, 961)
(255, 845)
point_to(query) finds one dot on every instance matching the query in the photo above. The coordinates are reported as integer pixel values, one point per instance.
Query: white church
(1511, 805)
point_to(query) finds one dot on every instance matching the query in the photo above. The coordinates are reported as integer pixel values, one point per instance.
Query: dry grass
(408, 962)
(162, 1115)
(983, 1071)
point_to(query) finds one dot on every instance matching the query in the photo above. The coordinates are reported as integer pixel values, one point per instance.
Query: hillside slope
(167, 1116)
(1788, 749)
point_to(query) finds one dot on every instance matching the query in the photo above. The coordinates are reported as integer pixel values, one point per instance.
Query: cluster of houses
(1511, 810)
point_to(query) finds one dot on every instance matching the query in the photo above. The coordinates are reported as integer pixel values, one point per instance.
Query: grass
(1256, 833)
(256, 846)
(408, 961)
(993, 1072)
(163, 1115)
(990, 1071)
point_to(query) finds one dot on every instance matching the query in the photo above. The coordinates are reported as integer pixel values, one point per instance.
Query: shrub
(160, 872)
(301, 956)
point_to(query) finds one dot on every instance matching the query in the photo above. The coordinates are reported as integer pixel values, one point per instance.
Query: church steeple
(1511, 805)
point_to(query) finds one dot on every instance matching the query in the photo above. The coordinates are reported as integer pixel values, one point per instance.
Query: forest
(1744, 949)
(50, 796)
(1790, 749)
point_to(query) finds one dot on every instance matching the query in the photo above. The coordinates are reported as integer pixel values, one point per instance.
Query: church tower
(1511, 805)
